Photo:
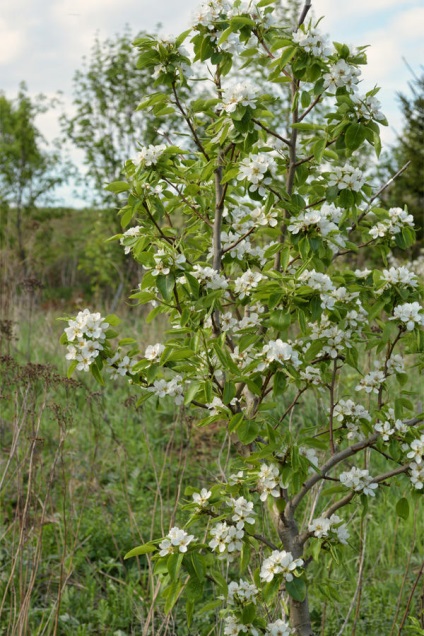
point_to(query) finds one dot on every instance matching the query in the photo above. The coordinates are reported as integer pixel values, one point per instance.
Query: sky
(42, 42)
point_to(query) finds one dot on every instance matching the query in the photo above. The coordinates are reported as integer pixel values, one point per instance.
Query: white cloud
(11, 43)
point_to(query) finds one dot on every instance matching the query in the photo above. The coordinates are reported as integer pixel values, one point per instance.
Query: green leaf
(219, 580)
(172, 594)
(174, 565)
(141, 549)
(165, 285)
(235, 422)
(355, 136)
(95, 372)
(280, 319)
(72, 368)
(112, 320)
(189, 612)
(248, 432)
(280, 384)
(318, 149)
(402, 508)
(287, 54)
(248, 614)
(297, 589)
(118, 186)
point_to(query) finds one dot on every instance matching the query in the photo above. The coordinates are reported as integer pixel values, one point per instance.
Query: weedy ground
(85, 476)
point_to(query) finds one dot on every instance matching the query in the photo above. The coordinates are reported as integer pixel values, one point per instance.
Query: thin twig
(190, 125)
(389, 182)
(271, 132)
(308, 110)
(410, 597)
(307, 6)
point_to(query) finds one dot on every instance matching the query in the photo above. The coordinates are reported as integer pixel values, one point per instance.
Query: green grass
(87, 477)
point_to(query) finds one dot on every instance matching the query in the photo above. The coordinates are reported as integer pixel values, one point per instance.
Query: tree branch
(271, 132)
(307, 6)
(190, 125)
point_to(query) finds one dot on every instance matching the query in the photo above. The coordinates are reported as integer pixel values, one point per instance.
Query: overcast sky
(42, 42)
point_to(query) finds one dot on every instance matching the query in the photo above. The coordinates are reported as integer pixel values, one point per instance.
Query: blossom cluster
(350, 415)
(279, 351)
(359, 480)
(254, 169)
(390, 425)
(120, 367)
(241, 93)
(172, 388)
(269, 481)
(243, 512)
(226, 538)
(87, 333)
(347, 177)
(410, 314)
(242, 592)
(312, 41)
(341, 74)
(398, 276)
(323, 527)
(335, 339)
(324, 221)
(176, 538)
(368, 107)
(149, 155)
(398, 219)
(279, 563)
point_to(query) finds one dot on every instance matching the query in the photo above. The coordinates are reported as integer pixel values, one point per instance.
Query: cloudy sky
(42, 42)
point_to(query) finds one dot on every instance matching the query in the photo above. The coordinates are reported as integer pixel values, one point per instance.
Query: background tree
(29, 171)
(409, 188)
(106, 126)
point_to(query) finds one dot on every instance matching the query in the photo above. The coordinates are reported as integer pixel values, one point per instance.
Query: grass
(86, 476)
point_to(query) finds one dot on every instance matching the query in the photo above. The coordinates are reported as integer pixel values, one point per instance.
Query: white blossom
(215, 405)
(226, 538)
(244, 284)
(410, 314)
(359, 480)
(243, 512)
(243, 93)
(279, 351)
(279, 563)
(201, 499)
(172, 388)
(149, 155)
(417, 450)
(371, 382)
(399, 276)
(176, 538)
(278, 628)
(417, 475)
(153, 352)
(269, 481)
(87, 334)
(347, 177)
(341, 74)
(242, 592)
(312, 41)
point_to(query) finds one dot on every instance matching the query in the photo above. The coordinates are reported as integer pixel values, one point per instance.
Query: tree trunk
(300, 618)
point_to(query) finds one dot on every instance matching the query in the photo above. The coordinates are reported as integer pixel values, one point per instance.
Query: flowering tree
(249, 246)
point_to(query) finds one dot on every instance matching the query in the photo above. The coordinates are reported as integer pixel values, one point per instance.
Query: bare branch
(271, 132)
(312, 106)
(190, 125)
(389, 183)
(307, 6)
